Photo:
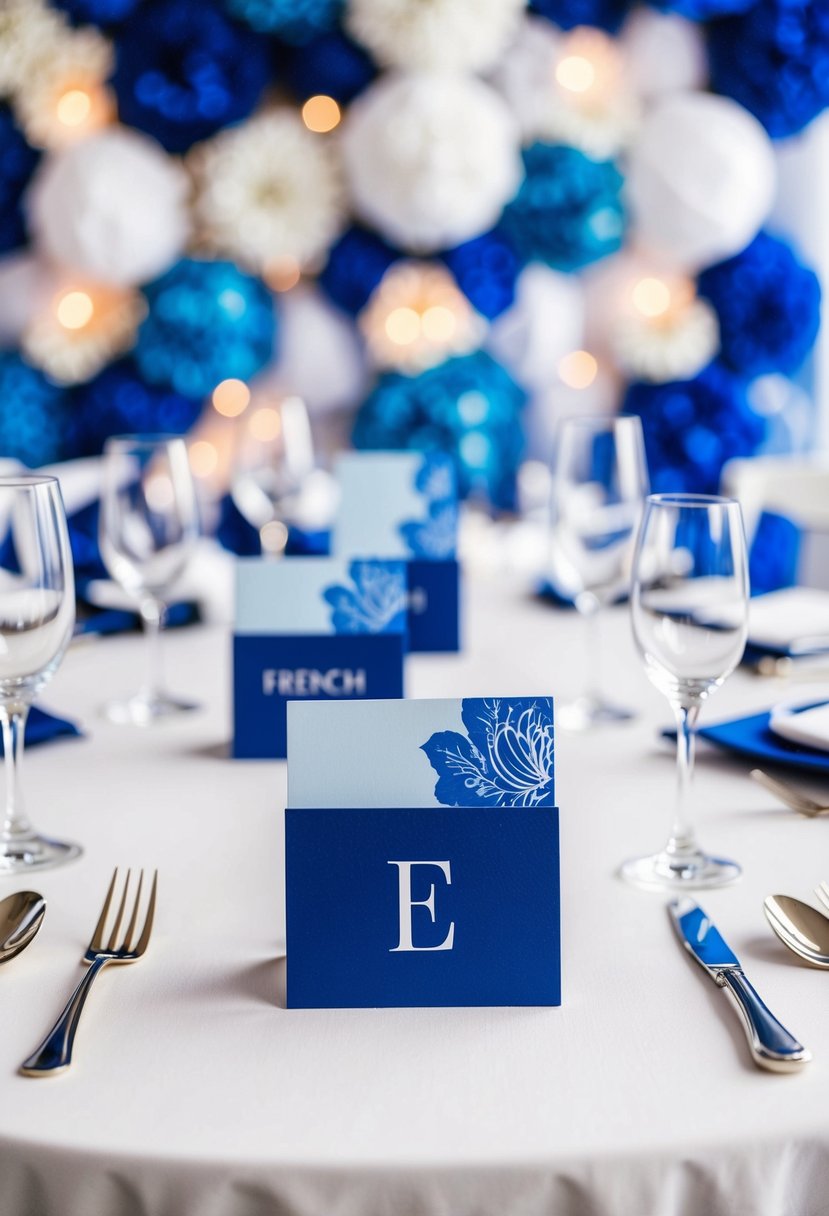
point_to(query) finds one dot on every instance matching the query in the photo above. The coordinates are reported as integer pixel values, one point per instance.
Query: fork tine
(128, 936)
(822, 892)
(113, 937)
(98, 933)
(148, 923)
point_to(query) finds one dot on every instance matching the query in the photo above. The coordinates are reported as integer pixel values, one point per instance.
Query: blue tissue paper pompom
(702, 10)
(608, 14)
(768, 304)
(774, 554)
(331, 64)
(355, 266)
(468, 406)
(485, 269)
(774, 60)
(568, 211)
(692, 427)
(36, 416)
(119, 402)
(295, 21)
(17, 164)
(97, 12)
(184, 69)
(206, 322)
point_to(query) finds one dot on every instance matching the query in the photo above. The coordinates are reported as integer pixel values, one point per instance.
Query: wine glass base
(679, 871)
(25, 853)
(144, 709)
(588, 712)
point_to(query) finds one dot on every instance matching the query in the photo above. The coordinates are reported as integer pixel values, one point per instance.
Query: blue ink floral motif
(505, 759)
(434, 537)
(375, 604)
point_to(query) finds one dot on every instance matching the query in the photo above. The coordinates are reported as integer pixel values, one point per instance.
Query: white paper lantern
(113, 207)
(320, 358)
(430, 159)
(701, 179)
(451, 34)
(665, 53)
(545, 324)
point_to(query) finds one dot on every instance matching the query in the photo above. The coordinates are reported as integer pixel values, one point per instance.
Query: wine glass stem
(13, 720)
(682, 839)
(152, 614)
(593, 659)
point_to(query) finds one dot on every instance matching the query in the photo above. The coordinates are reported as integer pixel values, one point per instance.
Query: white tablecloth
(194, 1092)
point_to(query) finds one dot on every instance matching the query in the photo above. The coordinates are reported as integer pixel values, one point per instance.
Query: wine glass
(600, 480)
(148, 526)
(690, 620)
(37, 616)
(274, 459)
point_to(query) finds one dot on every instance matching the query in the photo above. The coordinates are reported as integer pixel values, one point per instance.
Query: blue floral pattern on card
(505, 759)
(377, 601)
(435, 537)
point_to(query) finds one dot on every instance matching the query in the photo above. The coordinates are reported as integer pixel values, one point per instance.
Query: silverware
(771, 1045)
(781, 667)
(801, 928)
(822, 892)
(792, 797)
(21, 915)
(55, 1052)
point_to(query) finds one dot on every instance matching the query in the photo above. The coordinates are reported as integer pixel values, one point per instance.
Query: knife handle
(770, 1042)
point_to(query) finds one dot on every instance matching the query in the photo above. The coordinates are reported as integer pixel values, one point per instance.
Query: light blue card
(487, 752)
(313, 596)
(396, 504)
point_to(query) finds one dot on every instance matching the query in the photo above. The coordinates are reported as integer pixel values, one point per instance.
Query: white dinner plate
(808, 724)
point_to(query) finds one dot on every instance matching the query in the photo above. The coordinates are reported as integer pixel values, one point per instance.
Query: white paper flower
(430, 159)
(112, 207)
(677, 347)
(84, 327)
(268, 190)
(435, 34)
(665, 53)
(570, 88)
(701, 179)
(27, 285)
(319, 357)
(64, 98)
(545, 323)
(28, 29)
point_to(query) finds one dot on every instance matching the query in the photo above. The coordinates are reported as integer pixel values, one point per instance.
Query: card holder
(434, 606)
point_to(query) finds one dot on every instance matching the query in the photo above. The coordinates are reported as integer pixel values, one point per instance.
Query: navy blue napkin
(752, 737)
(42, 726)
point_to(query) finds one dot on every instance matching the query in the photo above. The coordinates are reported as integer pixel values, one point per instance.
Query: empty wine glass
(600, 480)
(37, 615)
(690, 620)
(148, 527)
(274, 458)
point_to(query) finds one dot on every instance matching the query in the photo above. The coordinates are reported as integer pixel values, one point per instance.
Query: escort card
(314, 628)
(422, 857)
(405, 505)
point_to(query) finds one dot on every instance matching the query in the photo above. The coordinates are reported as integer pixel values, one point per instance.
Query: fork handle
(55, 1052)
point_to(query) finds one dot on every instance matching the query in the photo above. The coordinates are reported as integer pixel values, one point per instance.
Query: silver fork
(55, 1052)
(822, 892)
(792, 797)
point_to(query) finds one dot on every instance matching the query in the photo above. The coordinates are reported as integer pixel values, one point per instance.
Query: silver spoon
(800, 927)
(793, 798)
(21, 915)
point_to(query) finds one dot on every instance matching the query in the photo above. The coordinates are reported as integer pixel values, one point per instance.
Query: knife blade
(771, 1045)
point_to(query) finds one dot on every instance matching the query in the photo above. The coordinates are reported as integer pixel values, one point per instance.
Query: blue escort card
(312, 628)
(421, 853)
(405, 505)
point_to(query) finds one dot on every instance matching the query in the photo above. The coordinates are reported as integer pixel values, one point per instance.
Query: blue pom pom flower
(331, 64)
(36, 416)
(296, 21)
(486, 269)
(356, 264)
(607, 14)
(97, 12)
(17, 164)
(702, 10)
(206, 322)
(118, 401)
(568, 212)
(768, 304)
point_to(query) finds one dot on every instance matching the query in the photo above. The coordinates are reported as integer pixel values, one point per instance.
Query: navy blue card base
(432, 907)
(434, 606)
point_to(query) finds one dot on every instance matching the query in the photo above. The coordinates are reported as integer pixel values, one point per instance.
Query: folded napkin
(753, 738)
(789, 622)
(42, 726)
(804, 724)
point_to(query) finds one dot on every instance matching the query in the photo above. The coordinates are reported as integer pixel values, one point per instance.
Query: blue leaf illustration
(434, 537)
(375, 604)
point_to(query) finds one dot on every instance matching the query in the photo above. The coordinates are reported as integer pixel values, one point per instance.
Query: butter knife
(770, 1043)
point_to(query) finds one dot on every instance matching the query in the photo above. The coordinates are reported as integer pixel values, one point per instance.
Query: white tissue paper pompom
(545, 323)
(73, 353)
(113, 206)
(599, 117)
(320, 358)
(430, 159)
(29, 30)
(268, 190)
(665, 53)
(677, 349)
(27, 286)
(452, 34)
(701, 179)
(82, 60)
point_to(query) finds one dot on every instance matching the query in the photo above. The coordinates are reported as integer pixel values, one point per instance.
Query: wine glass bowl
(274, 458)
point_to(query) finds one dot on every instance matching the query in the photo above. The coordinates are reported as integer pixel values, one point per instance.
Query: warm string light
(231, 398)
(321, 114)
(578, 369)
(588, 71)
(265, 424)
(662, 302)
(74, 309)
(281, 274)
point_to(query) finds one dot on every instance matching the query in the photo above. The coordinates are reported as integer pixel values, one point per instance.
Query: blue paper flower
(774, 554)
(355, 266)
(485, 269)
(609, 14)
(468, 406)
(506, 757)
(17, 164)
(768, 304)
(376, 603)
(296, 21)
(435, 537)
(36, 416)
(702, 10)
(206, 322)
(774, 60)
(97, 12)
(692, 427)
(184, 69)
(118, 401)
(330, 64)
(568, 211)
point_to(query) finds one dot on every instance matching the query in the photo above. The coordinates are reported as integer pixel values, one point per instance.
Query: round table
(194, 1092)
